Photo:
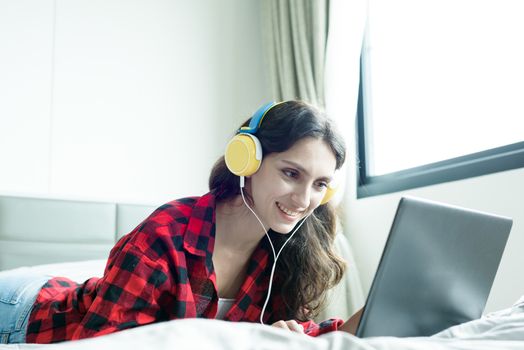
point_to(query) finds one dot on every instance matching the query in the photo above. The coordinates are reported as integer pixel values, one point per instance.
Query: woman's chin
(284, 229)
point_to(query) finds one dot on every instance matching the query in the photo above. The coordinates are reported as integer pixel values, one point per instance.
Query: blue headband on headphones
(256, 119)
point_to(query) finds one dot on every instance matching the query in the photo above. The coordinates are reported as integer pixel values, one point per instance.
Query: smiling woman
(208, 256)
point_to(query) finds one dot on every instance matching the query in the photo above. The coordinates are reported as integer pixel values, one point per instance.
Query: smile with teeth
(287, 211)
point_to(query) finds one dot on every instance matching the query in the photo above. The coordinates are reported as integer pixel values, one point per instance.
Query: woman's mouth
(287, 211)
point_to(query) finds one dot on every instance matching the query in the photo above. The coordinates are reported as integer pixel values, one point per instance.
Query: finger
(294, 326)
(281, 324)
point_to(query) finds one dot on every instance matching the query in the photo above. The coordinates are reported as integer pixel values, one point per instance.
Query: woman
(209, 256)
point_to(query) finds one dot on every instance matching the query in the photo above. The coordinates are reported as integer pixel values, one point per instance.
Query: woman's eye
(290, 173)
(322, 185)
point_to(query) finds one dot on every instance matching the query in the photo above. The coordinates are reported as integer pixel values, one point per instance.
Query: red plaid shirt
(162, 270)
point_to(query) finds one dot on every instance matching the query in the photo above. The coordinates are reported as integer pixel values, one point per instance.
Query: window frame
(490, 161)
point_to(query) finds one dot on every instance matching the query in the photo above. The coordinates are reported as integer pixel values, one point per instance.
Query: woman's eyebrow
(301, 169)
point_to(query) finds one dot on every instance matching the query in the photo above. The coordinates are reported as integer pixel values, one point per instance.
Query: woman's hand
(290, 325)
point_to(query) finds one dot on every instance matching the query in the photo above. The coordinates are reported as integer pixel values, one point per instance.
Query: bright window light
(443, 78)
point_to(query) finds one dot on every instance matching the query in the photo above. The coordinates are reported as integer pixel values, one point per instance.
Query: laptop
(436, 270)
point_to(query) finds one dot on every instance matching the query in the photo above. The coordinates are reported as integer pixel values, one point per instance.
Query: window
(441, 94)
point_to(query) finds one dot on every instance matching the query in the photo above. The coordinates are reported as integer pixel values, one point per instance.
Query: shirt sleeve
(313, 329)
(135, 290)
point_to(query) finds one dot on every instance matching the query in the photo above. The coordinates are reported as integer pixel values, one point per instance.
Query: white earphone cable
(275, 255)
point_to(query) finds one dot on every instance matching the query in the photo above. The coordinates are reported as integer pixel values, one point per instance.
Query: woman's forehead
(312, 155)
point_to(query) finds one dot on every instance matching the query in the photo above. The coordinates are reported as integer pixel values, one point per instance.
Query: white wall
(123, 100)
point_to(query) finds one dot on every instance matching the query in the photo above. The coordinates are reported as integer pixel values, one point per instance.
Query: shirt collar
(199, 238)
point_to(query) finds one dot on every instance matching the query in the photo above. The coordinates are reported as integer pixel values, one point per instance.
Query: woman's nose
(302, 196)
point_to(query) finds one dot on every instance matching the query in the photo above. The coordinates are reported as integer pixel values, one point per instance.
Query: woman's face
(290, 185)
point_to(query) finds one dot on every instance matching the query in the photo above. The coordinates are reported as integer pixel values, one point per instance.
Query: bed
(503, 329)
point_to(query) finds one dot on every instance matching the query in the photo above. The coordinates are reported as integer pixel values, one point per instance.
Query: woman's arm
(133, 291)
(349, 326)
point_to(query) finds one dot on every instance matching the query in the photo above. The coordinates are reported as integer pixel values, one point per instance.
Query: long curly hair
(310, 266)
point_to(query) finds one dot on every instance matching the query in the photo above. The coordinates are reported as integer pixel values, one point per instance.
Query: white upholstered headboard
(41, 231)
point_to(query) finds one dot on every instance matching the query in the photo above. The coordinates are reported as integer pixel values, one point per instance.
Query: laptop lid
(436, 269)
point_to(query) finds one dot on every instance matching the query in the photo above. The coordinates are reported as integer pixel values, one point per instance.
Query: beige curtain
(295, 35)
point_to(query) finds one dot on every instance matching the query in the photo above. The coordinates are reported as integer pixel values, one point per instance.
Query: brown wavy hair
(310, 266)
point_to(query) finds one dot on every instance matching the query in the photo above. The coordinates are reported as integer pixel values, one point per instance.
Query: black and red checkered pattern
(160, 271)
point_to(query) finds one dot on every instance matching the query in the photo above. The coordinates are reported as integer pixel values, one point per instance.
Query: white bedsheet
(499, 330)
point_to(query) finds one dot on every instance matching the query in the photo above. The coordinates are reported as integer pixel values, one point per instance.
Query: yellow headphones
(243, 154)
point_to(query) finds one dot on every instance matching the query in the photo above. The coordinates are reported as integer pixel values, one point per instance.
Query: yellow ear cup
(330, 192)
(243, 155)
